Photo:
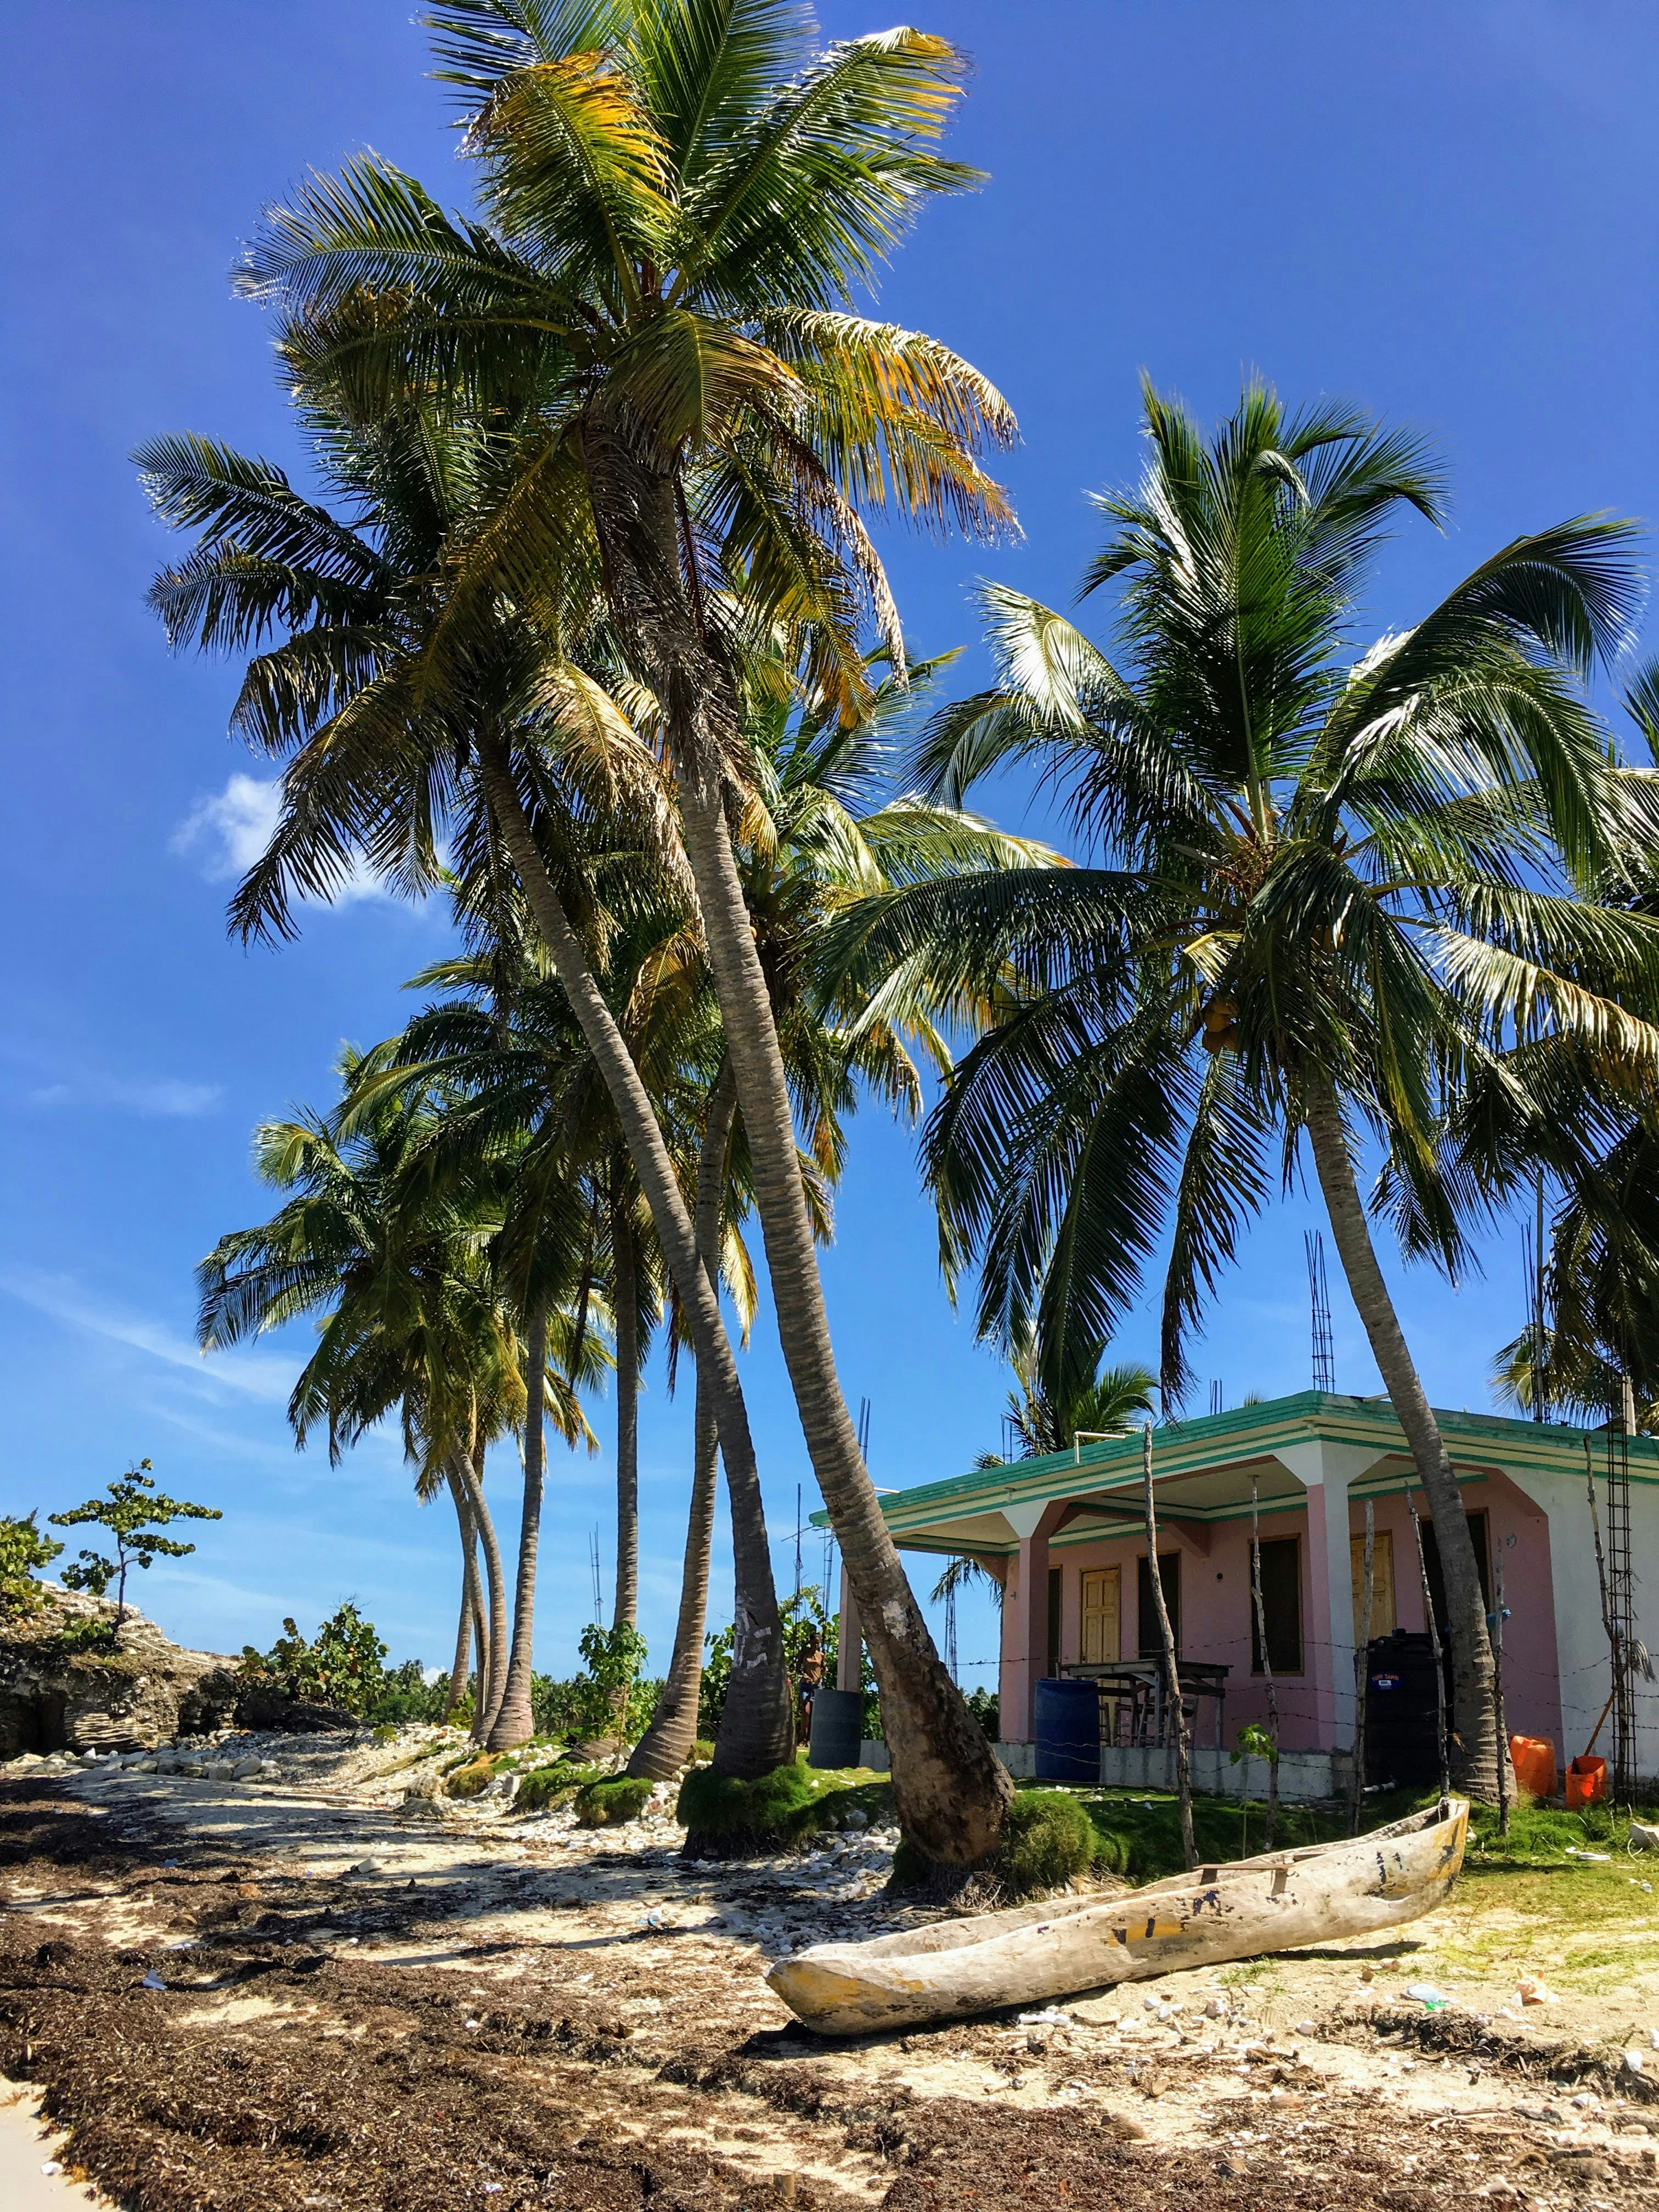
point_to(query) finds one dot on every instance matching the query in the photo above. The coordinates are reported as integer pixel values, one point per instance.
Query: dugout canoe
(1036, 1953)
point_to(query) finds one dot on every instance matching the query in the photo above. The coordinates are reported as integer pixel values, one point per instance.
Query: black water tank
(1066, 1717)
(1402, 1715)
(837, 1728)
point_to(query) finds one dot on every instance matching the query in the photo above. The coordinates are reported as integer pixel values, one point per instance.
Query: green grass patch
(785, 1807)
(1139, 1834)
(608, 1804)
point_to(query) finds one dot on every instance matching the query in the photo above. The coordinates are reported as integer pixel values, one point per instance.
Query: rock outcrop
(68, 1683)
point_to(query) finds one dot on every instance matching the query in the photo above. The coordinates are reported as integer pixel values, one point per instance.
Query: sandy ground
(525, 2013)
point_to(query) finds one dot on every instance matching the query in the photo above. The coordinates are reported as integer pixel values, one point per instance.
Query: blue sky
(1443, 213)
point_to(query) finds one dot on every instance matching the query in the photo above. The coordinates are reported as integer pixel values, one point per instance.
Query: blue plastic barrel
(837, 1726)
(1067, 1728)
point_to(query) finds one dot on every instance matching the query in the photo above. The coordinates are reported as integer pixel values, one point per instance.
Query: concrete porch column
(1027, 1662)
(1325, 1471)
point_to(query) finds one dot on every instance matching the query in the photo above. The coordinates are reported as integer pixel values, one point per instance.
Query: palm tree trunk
(485, 1719)
(625, 1285)
(515, 1723)
(468, 1595)
(666, 1745)
(1474, 1721)
(949, 1787)
(765, 1740)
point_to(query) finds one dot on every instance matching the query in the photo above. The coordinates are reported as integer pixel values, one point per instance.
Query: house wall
(1545, 1615)
(1572, 1603)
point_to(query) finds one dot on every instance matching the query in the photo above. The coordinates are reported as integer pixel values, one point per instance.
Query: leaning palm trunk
(1474, 1722)
(457, 1689)
(758, 1731)
(949, 1787)
(627, 1415)
(488, 1701)
(513, 1722)
(667, 1743)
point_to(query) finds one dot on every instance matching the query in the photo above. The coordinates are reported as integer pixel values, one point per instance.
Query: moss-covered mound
(725, 1818)
(608, 1804)
(545, 1787)
(474, 1777)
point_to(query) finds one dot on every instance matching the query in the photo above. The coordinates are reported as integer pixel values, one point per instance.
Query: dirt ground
(260, 1997)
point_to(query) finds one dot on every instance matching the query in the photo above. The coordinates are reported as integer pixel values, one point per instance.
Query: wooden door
(1383, 1619)
(1101, 1596)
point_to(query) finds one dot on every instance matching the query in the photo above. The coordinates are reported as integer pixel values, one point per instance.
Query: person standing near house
(809, 1674)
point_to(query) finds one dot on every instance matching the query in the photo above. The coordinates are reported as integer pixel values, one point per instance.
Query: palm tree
(680, 196)
(1334, 894)
(1041, 1422)
(377, 772)
(395, 1271)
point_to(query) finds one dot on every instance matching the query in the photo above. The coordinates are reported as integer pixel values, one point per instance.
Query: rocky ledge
(70, 1683)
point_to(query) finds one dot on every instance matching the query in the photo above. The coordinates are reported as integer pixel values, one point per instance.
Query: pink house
(1065, 1535)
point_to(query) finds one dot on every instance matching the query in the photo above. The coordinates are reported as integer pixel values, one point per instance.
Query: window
(1282, 1606)
(1169, 1571)
(1055, 1594)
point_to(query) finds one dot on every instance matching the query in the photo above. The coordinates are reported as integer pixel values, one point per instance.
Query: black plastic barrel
(837, 1728)
(1066, 1715)
(1402, 1715)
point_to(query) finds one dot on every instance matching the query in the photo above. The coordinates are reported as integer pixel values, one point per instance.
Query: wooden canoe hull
(1036, 1953)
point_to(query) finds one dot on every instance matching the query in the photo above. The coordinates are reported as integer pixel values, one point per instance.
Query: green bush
(609, 1804)
(22, 1549)
(986, 1707)
(608, 1698)
(407, 1696)
(784, 1807)
(1048, 1839)
(342, 1667)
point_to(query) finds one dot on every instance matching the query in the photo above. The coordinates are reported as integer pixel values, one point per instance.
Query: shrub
(986, 1708)
(606, 1699)
(22, 1549)
(342, 1667)
(406, 1695)
(1048, 1839)
(609, 1804)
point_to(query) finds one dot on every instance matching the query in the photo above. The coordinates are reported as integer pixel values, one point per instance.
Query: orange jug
(1534, 1759)
(1587, 1782)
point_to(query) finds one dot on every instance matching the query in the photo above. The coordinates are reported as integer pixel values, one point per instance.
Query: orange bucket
(1587, 1782)
(1533, 1758)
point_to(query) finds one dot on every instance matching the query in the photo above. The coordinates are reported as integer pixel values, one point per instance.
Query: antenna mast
(1319, 1299)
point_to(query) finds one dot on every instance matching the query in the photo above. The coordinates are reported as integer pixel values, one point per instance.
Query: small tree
(22, 1549)
(134, 1512)
(342, 1667)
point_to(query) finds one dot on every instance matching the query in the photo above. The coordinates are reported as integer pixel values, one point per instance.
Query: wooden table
(1139, 1684)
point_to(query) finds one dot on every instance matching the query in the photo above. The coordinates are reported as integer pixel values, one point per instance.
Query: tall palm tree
(681, 195)
(379, 769)
(1334, 893)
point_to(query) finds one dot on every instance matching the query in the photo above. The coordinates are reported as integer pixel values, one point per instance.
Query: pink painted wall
(1215, 1590)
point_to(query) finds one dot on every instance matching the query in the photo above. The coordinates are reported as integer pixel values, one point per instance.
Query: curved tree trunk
(513, 1722)
(1473, 1709)
(666, 1745)
(468, 1595)
(949, 1787)
(625, 1287)
(764, 1682)
(485, 1719)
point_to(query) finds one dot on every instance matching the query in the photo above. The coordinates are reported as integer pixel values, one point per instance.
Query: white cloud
(166, 1096)
(227, 831)
(62, 1298)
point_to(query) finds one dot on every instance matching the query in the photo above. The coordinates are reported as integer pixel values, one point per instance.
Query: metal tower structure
(1621, 1613)
(1216, 1395)
(1319, 1299)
